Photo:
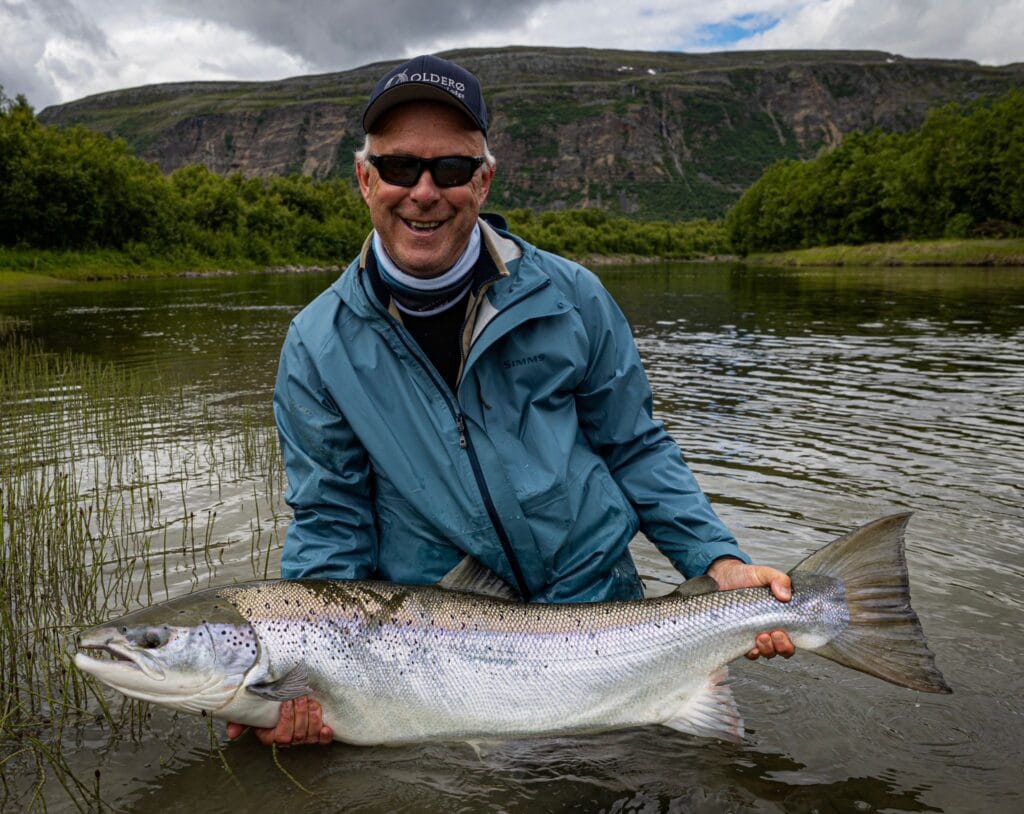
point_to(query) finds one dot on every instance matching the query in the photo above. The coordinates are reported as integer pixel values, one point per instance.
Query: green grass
(26, 268)
(28, 280)
(1006, 252)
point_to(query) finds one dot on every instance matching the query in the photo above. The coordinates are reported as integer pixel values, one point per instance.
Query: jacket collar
(519, 273)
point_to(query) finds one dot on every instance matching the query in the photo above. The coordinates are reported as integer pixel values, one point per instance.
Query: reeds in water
(115, 491)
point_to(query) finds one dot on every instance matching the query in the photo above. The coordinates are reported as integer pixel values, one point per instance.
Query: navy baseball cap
(427, 78)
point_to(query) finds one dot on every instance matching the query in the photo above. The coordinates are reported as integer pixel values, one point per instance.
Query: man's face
(425, 228)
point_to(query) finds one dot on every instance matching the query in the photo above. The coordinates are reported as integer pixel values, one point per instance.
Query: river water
(807, 402)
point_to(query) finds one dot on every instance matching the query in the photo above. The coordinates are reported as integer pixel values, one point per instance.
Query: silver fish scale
(394, 663)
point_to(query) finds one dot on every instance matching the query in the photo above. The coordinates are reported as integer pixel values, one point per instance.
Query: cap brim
(412, 92)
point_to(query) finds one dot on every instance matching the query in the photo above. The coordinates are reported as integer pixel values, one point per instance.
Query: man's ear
(363, 176)
(486, 177)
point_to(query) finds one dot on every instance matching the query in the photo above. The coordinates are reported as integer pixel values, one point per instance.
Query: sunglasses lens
(454, 171)
(398, 169)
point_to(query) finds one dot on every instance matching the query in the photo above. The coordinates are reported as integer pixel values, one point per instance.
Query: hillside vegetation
(960, 175)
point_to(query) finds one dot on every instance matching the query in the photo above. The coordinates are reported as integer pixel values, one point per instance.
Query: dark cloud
(17, 80)
(342, 33)
(64, 17)
(26, 28)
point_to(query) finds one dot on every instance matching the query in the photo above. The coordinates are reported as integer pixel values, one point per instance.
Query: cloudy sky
(57, 50)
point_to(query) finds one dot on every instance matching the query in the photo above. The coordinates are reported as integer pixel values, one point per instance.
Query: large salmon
(395, 663)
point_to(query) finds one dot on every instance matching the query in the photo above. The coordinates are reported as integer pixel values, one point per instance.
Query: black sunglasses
(447, 170)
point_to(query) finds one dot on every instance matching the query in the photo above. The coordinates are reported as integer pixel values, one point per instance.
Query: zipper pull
(460, 425)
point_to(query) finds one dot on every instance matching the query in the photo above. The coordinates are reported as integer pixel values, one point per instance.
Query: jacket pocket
(410, 550)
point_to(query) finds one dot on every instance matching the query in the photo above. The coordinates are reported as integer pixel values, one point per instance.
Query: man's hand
(730, 574)
(301, 721)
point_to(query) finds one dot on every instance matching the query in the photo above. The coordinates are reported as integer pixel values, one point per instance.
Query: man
(459, 392)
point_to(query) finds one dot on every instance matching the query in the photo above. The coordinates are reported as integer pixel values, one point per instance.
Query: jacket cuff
(698, 563)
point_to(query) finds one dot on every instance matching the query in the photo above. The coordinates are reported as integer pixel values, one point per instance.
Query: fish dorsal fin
(471, 576)
(711, 712)
(697, 587)
(293, 684)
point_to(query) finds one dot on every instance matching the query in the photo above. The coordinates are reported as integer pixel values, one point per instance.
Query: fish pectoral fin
(484, 748)
(293, 684)
(712, 712)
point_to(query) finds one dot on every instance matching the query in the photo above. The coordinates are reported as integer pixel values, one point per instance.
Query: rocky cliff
(655, 134)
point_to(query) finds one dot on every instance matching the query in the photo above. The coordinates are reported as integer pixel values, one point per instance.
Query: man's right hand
(301, 721)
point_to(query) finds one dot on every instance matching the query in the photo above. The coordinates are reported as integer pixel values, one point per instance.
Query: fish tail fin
(884, 637)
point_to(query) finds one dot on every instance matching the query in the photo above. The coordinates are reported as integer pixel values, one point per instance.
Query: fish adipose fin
(712, 712)
(293, 684)
(884, 637)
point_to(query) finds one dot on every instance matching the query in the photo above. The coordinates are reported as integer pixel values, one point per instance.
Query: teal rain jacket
(543, 465)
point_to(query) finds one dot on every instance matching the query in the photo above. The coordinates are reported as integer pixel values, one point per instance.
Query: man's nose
(425, 190)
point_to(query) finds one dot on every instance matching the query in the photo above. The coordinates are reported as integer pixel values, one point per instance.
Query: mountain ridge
(653, 134)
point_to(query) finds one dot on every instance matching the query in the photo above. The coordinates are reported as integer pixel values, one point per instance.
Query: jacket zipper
(466, 444)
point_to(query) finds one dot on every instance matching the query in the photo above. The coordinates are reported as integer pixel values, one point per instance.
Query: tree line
(960, 175)
(73, 189)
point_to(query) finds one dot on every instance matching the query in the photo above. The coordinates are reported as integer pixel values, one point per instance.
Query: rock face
(664, 135)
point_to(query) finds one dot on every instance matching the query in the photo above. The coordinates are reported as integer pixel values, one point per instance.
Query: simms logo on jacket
(508, 364)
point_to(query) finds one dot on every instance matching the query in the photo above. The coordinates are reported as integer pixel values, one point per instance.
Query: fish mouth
(102, 657)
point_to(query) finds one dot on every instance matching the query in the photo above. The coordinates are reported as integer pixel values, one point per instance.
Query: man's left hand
(300, 721)
(731, 574)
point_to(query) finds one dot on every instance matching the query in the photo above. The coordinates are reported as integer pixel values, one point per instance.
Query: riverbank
(32, 268)
(1004, 252)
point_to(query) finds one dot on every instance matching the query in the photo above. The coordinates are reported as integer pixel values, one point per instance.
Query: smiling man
(460, 392)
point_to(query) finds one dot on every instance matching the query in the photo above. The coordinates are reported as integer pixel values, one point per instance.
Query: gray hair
(363, 154)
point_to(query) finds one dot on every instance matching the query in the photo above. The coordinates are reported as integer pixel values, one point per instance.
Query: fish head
(190, 654)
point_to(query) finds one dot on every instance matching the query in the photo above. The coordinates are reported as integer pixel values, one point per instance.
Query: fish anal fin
(293, 684)
(712, 712)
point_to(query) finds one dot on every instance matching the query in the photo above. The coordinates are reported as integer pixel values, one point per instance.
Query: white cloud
(166, 49)
(989, 31)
